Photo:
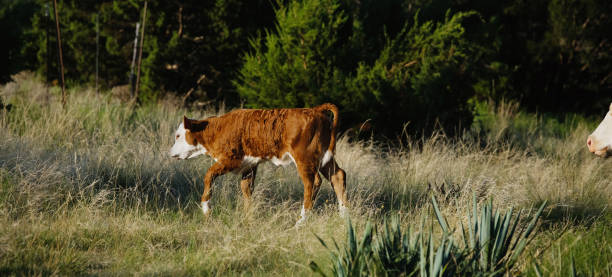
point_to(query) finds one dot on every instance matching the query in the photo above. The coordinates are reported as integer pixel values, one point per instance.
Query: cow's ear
(186, 123)
(198, 125)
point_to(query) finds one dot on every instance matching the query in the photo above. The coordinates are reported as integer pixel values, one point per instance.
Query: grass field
(90, 190)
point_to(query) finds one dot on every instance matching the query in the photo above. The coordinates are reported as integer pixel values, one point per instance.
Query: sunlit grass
(91, 190)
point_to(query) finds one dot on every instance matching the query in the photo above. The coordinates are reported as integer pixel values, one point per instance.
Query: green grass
(589, 244)
(91, 190)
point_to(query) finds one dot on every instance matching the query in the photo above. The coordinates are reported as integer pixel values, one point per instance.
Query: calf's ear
(198, 125)
(194, 125)
(186, 123)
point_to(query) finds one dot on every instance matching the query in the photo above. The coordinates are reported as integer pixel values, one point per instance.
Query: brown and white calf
(600, 141)
(242, 139)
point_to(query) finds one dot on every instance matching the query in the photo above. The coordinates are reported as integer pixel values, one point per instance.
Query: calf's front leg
(216, 170)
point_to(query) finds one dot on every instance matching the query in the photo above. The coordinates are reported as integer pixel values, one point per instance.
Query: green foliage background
(420, 74)
(390, 62)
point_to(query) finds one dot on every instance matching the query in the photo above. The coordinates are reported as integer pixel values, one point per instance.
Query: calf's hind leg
(312, 183)
(337, 177)
(246, 185)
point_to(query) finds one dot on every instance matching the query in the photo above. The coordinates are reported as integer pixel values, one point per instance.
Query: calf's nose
(589, 141)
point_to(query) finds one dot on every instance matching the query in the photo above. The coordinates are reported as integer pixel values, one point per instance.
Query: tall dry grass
(91, 190)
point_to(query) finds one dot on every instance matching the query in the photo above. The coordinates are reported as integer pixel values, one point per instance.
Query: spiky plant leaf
(525, 235)
(439, 216)
(537, 270)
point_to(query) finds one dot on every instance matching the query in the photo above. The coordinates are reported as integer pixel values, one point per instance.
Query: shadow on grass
(66, 179)
(574, 215)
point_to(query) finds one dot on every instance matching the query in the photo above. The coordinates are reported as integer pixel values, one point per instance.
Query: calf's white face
(182, 149)
(600, 141)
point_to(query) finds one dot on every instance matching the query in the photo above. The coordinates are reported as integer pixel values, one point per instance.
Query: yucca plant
(392, 253)
(492, 240)
(396, 252)
(355, 256)
(403, 254)
(442, 262)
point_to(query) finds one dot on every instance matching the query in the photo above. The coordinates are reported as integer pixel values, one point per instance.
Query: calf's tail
(332, 142)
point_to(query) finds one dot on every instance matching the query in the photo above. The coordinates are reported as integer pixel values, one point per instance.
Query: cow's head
(186, 144)
(600, 141)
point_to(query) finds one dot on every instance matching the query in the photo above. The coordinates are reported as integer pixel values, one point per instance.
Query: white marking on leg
(342, 209)
(303, 216)
(326, 158)
(205, 207)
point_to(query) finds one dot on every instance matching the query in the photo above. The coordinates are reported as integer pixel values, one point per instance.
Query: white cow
(600, 141)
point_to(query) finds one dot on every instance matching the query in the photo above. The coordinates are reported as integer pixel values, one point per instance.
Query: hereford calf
(242, 139)
(600, 141)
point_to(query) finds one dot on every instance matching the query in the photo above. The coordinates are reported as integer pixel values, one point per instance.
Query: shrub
(318, 53)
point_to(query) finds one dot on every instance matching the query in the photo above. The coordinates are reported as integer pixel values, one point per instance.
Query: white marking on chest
(285, 160)
(249, 162)
(200, 150)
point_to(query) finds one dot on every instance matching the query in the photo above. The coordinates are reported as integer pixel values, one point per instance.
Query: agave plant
(392, 253)
(493, 240)
(405, 254)
(442, 262)
(353, 259)
(395, 252)
(493, 243)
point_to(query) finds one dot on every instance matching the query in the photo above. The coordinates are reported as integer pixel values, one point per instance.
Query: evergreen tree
(14, 22)
(184, 40)
(419, 75)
